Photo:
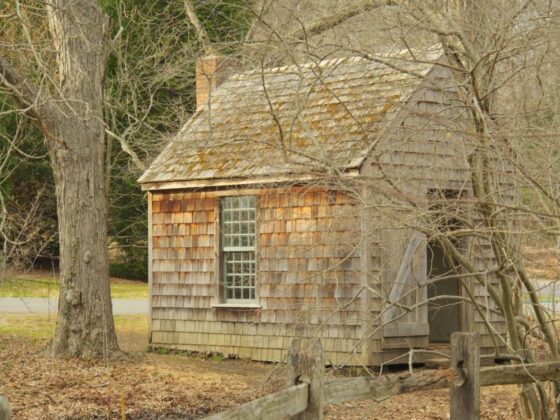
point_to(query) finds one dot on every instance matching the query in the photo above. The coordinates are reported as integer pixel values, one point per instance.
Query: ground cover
(47, 286)
(163, 385)
(160, 384)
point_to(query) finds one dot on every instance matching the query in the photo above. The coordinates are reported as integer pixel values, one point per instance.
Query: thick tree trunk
(76, 142)
(85, 319)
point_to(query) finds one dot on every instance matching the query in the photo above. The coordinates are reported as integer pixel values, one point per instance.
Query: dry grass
(48, 287)
(28, 326)
(143, 386)
(132, 330)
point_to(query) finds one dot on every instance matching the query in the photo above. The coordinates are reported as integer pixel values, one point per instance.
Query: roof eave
(234, 182)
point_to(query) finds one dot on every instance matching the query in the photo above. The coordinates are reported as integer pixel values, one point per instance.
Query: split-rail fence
(308, 391)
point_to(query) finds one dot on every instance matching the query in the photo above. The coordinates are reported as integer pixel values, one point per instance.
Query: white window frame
(238, 239)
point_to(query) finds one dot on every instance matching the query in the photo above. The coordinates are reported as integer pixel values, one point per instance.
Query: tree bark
(76, 144)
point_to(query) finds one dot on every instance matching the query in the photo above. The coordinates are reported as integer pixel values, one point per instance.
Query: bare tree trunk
(85, 320)
(76, 143)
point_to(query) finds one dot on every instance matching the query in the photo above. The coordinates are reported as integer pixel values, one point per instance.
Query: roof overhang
(234, 182)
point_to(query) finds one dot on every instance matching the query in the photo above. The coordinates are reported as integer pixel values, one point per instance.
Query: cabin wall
(423, 152)
(308, 271)
(310, 262)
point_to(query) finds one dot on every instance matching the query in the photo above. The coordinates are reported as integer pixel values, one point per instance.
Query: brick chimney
(211, 71)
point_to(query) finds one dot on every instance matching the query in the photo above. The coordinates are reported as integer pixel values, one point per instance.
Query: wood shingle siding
(308, 272)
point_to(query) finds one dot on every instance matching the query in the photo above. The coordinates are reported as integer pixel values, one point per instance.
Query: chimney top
(211, 71)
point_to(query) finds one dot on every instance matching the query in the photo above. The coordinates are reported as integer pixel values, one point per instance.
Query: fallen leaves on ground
(497, 403)
(154, 386)
(147, 386)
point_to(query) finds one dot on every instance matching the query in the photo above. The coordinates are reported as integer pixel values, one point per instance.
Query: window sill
(236, 306)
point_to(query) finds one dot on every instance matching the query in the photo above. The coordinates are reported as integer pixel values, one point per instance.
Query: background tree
(149, 95)
(63, 95)
(28, 209)
(146, 78)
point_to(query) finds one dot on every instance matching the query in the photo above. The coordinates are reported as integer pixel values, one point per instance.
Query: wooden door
(405, 316)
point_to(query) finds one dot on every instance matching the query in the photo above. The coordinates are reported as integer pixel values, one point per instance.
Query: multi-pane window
(238, 248)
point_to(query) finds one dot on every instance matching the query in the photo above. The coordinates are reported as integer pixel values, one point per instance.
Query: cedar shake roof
(292, 120)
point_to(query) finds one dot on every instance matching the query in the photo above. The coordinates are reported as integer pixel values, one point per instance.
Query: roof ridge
(294, 67)
(329, 62)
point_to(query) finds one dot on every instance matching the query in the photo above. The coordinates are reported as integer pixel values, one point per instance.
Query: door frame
(465, 311)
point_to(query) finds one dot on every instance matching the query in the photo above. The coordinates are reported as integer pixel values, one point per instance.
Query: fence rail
(309, 392)
(360, 388)
(281, 404)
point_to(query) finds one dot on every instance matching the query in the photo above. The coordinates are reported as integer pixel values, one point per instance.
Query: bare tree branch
(25, 93)
(200, 31)
(257, 20)
(342, 16)
(128, 150)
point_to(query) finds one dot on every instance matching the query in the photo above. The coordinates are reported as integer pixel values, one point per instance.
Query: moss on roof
(298, 119)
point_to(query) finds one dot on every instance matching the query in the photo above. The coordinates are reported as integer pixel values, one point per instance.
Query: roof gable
(293, 120)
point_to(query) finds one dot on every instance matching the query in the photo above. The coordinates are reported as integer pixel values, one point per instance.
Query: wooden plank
(281, 404)
(366, 271)
(349, 389)
(403, 275)
(5, 411)
(150, 265)
(241, 182)
(406, 329)
(307, 365)
(403, 344)
(465, 391)
(422, 290)
(519, 374)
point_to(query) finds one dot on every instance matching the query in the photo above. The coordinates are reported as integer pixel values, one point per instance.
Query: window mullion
(238, 248)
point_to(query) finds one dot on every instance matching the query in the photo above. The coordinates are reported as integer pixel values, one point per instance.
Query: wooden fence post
(5, 412)
(307, 364)
(465, 391)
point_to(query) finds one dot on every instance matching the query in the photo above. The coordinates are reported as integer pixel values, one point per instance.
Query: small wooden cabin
(257, 234)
